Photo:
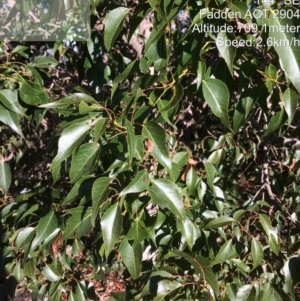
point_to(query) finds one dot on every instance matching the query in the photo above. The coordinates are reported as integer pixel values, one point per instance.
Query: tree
(173, 156)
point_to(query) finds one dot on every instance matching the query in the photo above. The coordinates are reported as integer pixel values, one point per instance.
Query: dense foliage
(156, 161)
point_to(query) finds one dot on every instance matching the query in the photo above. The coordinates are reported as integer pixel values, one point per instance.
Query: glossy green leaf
(99, 193)
(113, 25)
(256, 252)
(189, 231)
(72, 99)
(167, 194)
(99, 129)
(200, 73)
(18, 272)
(5, 175)
(10, 100)
(246, 293)
(202, 266)
(273, 239)
(29, 268)
(275, 122)
(165, 288)
(46, 226)
(79, 224)
(132, 257)
(111, 225)
(289, 52)
(178, 92)
(129, 71)
(241, 265)
(11, 119)
(217, 96)
(139, 183)
(24, 237)
(132, 142)
(155, 35)
(53, 272)
(70, 139)
(181, 158)
(290, 100)
(224, 252)
(219, 222)
(82, 188)
(210, 173)
(192, 180)
(157, 136)
(226, 52)
(138, 232)
(157, 52)
(33, 94)
(83, 160)
(45, 62)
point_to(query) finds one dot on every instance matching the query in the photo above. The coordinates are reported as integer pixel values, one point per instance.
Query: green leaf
(226, 52)
(129, 71)
(33, 94)
(84, 160)
(80, 224)
(29, 268)
(45, 62)
(72, 99)
(132, 257)
(5, 175)
(157, 51)
(138, 232)
(99, 193)
(289, 53)
(111, 225)
(132, 142)
(11, 119)
(224, 253)
(242, 267)
(275, 122)
(165, 288)
(10, 101)
(113, 25)
(167, 194)
(217, 96)
(210, 173)
(273, 239)
(178, 92)
(53, 271)
(219, 222)
(189, 231)
(18, 272)
(156, 6)
(46, 226)
(99, 128)
(192, 180)
(202, 266)
(256, 252)
(200, 73)
(157, 136)
(155, 35)
(138, 184)
(265, 222)
(82, 188)
(246, 293)
(70, 139)
(290, 100)
(24, 237)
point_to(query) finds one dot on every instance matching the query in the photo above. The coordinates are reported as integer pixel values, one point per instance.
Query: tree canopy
(158, 159)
